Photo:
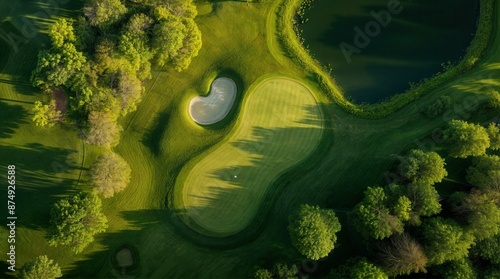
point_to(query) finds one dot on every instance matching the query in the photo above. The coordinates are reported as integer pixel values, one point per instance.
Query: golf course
(219, 154)
(281, 124)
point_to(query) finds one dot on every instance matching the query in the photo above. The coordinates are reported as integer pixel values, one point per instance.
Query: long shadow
(21, 35)
(261, 149)
(152, 139)
(157, 241)
(41, 179)
(11, 117)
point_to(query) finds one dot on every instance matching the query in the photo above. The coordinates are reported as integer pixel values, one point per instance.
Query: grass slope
(160, 139)
(279, 126)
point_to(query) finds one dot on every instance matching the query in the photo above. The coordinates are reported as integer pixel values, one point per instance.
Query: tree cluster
(437, 107)
(468, 139)
(76, 220)
(313, 231)
(385, 210)
(101, 60)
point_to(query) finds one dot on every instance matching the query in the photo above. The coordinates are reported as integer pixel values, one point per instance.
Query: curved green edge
(281, 20)
(183, 175)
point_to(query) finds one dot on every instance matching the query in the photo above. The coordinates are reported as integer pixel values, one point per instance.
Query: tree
(466, 139)
(313, 231)
(426, 168)
(279, 270)
(482, 212)
(191, 46)
(488, 249)
(285, 271)
(445, 240)
(494, 134)
(103, 13)
(176, 39)
(40, 267)
(494, 100)
(424, 200)
(358, 268)
(103, 128)
(402, 255)
(460, 269)
(61, 32)
(56, 66)
(372, 216)
(402, 208)
(485, 172)
(76, 220)
(491, 273)
(46, 115)
(437, 107)
(262, 273)
(129, 91)
(110, 174)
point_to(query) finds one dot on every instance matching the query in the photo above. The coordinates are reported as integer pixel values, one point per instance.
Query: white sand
(213, 108)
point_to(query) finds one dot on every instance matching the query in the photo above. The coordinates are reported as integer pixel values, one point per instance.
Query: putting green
(280, 125)
(214, 107)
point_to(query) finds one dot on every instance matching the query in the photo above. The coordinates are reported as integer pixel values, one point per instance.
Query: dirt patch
(61, 100)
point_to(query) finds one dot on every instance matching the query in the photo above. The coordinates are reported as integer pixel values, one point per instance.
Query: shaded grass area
(160, 139)
(224, 190)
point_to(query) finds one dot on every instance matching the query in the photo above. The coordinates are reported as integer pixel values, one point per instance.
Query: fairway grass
(160, 139)
(280, 126)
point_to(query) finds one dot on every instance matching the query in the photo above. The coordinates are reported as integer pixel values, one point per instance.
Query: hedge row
(291, 13)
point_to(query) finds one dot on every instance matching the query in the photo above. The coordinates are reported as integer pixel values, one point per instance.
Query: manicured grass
(160, 139)
(280, 125)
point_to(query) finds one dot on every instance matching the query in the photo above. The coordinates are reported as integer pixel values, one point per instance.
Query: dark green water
(413, 44)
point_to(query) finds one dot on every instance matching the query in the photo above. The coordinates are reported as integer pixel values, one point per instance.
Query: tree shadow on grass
(263, 149)
(11, 117)
(41, 179)
(152, 139)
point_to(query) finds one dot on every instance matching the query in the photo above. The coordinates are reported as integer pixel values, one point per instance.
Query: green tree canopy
(75, 220)
(485, 172)
(103, 128)
(40, 267)
(62, 32)
(176, 39)
(424, 167)
(372, 216)
(103, 13)
(459, 269)
(46, 115)
(402, 209)
(445, 240)
(494, 133)
(56, 66)
(424, 200)
(110, 174)
(489, 249)
(358, 268)
(466, 139)
(402, 255)
(482, 212)
(494, 100)
(263, 273)
(313, 231)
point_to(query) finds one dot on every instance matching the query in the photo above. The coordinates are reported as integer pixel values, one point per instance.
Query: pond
(375, 48)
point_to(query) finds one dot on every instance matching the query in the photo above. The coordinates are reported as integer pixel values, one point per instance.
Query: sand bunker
(213, 108)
